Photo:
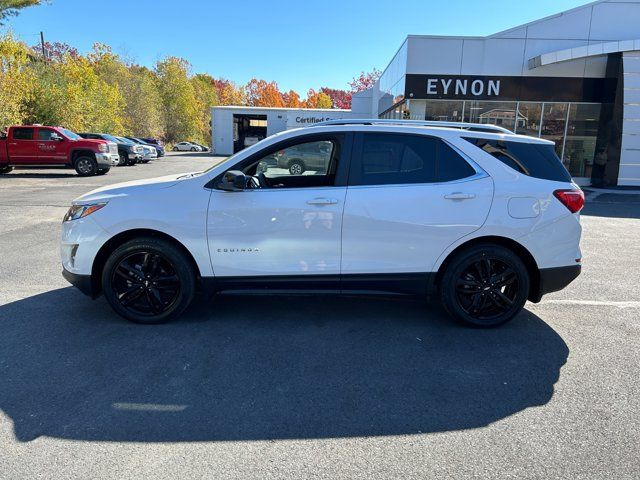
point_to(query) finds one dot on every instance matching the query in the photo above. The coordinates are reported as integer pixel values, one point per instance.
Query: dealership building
(573, 78)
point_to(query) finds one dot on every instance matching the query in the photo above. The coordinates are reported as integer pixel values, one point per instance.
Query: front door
(51, 148)
(286, 224)
(23, 148)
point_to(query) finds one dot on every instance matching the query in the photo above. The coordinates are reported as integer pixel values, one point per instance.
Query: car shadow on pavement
(612, 209)
(23, 174)
(264, 367)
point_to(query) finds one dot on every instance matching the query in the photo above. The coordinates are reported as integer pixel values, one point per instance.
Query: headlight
(79, 211)
(103, 147)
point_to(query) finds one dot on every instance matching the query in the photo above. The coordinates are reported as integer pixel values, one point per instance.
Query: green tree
(10, 8)
(179, 103)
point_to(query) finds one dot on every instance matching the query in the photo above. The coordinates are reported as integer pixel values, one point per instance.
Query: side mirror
(233, 181)
(56, 137)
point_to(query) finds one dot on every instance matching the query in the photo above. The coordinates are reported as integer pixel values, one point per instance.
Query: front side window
(303, 159)
(46, 134)
(23, 133)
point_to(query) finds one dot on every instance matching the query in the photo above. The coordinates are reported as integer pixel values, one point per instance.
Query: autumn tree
(364, 81)
(229, 93)
(10, 8)
(317, 100)
(339, 98)
(261, 93)
(70, 93)
(207, 97)
(16, 80)
(292, 100)
(179, 104)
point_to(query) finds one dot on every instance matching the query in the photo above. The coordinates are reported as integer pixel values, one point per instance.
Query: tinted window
(451, 166)
(532, 159)
(23, 133)
(395, 159)
(309, 158)
(45, 134)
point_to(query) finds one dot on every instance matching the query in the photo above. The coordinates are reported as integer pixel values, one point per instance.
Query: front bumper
(115, 159)
(104, 160)
(81, 282)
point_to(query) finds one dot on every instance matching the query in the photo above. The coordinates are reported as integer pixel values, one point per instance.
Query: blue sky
(300, 44)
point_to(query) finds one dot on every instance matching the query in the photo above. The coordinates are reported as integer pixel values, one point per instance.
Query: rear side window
(391, 159)
(532, 159)
(23, 133)
(394, 159)
(451, 166)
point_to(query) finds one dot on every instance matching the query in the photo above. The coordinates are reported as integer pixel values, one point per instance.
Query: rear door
(22, 146)
(51, 147)
(409, 197)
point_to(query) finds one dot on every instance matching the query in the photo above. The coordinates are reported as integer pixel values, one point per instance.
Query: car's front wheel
(148, 280)
(485, 286)
(5, 169)
(86, 166)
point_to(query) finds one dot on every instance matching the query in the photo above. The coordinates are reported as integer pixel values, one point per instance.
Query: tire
(150, 300)
(124, 160)
(175, 149)
(484, 286)
(194, 149)
(85, 166)
(144, 161)
(296, 167)
(103, 171)
(5, 169)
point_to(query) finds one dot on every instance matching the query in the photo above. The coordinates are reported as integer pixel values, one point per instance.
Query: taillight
(572, 199)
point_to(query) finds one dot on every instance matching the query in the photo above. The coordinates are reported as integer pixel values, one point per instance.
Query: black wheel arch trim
(114, 242)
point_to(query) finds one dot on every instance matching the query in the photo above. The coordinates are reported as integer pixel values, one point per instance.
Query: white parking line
(593, 303)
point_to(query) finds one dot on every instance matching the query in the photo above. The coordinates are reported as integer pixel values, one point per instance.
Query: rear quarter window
(23, 133)
(531, 159)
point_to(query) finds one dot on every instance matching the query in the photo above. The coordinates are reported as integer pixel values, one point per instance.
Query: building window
(444, 110)
(580, 144)
(554, 122)
(529, 115)
(495, 113)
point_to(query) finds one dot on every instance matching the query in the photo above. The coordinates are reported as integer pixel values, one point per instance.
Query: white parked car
(186, 147)
(476, 216)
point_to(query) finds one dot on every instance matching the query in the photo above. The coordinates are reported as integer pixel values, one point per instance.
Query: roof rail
(478, 127)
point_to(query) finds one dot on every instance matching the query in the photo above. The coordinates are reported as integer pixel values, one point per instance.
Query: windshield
(111, 138)
(226, 160)
(125, 140)
(135, 140)
(70, 134)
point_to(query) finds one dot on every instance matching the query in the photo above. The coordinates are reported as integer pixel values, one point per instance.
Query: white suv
(473, 214)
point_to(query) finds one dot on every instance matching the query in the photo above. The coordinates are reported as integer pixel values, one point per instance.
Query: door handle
(459, 196)
(322, 201)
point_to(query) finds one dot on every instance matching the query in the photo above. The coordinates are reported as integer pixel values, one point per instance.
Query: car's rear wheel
(86, 166)
(296, 167)
(485, 286)
(148, 280)
(5, 169)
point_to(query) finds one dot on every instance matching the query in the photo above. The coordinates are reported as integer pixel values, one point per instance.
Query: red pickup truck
(43, 146)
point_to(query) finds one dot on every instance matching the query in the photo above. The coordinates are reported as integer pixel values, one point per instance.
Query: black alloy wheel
(148, 280)
(485, 286)
(123, 160)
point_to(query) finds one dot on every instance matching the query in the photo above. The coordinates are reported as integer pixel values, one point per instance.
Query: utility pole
(44, 53)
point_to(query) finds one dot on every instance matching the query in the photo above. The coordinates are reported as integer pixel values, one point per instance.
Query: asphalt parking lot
(311, 387)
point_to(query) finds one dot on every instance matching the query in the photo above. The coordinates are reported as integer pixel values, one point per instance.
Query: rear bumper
(81, 282)
(556, 278)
